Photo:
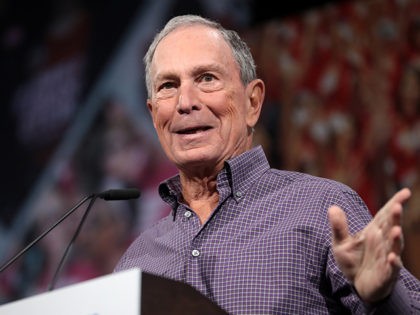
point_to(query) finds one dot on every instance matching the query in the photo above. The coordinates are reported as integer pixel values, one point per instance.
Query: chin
(196, 159)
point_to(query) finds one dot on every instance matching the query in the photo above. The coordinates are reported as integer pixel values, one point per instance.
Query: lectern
(130, 292)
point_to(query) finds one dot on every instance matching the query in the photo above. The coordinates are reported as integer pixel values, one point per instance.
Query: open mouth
(189, 131)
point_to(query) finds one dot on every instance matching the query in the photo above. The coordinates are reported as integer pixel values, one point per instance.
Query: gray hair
(240, 49)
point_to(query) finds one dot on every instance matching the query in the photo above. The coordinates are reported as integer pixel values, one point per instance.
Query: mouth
(193, 130)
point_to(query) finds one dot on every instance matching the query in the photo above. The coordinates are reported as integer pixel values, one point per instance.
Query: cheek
(161, 116)
(235, 110)
(227, 105)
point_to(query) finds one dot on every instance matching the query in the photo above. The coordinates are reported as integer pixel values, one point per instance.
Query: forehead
(196, 33)
(193, 43)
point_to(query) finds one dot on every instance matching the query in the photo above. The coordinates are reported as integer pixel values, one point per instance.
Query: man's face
(200, 109)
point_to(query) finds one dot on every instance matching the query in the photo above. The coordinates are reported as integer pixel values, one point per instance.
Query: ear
(150, 108)
(255, 93)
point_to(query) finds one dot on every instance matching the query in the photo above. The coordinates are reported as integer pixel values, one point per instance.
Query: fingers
(397, 200)
(402, 195)
(389, 222)
(338, 222)
(391, 213)
(397, 240)
(396, 263)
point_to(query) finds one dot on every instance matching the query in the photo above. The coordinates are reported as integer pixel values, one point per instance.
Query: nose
(187, 101)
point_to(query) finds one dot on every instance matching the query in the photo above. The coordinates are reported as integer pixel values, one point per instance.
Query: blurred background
(343, 102)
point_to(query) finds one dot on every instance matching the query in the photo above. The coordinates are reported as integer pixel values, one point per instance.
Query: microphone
(120, 194)
(112, 194)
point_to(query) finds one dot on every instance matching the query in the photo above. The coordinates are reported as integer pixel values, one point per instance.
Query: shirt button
(238, 194)
(187, 214)
(195, 252)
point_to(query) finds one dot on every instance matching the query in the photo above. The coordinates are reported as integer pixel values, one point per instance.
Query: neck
(200, 194)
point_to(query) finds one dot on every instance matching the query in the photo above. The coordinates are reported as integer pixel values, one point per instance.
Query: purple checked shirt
(266, 249)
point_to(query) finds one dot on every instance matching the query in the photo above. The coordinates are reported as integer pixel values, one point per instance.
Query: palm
(371, 259)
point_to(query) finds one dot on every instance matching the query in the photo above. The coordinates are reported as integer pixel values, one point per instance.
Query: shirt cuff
(398, 302)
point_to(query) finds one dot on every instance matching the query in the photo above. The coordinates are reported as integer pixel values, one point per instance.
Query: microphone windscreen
(120, 194)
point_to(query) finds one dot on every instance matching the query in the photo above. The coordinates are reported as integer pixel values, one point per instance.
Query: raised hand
(371, 259)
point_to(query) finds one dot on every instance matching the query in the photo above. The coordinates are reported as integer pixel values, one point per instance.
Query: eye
(209, 82)
(166, 89)
(207, 77)
(166, 85)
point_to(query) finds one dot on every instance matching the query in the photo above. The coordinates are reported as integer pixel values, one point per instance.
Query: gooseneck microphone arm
(40, 237)
(66, 252)
(112, 194)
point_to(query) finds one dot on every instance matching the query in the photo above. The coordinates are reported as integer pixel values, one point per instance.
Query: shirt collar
(245, 169)
(239, 174)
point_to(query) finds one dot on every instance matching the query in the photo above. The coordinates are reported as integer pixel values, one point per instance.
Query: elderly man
(253, 239)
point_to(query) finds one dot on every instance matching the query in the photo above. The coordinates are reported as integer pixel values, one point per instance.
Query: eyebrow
(207, 67)
(165, 76)
(171, 75)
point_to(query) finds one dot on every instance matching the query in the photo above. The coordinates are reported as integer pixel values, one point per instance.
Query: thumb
(338, 223)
